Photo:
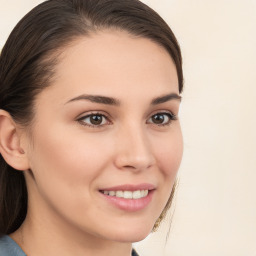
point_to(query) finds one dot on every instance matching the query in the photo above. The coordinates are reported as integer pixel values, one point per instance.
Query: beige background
(215, 212)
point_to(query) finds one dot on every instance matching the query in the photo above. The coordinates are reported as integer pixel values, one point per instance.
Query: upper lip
(130, 187)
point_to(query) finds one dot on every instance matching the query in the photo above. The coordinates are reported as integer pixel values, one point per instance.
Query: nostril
(129, 166)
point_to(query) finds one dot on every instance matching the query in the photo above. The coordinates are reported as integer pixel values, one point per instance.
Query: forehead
(114, 62)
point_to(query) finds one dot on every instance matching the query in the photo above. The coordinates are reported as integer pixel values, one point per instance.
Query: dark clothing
(8, 247)
(134, 253)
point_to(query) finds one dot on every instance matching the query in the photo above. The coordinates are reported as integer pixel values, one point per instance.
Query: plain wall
(215, 207)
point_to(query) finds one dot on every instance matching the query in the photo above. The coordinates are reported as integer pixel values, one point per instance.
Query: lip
(130, 205)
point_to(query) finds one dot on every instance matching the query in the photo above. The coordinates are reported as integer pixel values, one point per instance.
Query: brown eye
(162, 118)
(96, 119)
(93, 120)
(158, 118)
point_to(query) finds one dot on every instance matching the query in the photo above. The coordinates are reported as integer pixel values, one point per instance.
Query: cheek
(65, 167)
(169, 154)
(168, 150)
(61, 157)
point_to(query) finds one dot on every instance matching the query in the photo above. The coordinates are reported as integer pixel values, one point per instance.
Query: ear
(10, 143)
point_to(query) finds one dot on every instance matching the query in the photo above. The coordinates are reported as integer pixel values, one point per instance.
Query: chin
(132, 235)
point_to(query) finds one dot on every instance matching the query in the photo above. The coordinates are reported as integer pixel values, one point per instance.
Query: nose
(133, 150)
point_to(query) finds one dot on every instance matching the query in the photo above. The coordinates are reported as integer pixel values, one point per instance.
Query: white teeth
(112, 193)
(137, 194)
(127, 194)
(119, 193)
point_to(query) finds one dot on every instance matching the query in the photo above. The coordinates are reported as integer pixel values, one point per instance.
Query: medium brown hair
(27, 64)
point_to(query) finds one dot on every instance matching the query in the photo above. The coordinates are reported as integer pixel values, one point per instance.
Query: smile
(127, 194)
(128, 197)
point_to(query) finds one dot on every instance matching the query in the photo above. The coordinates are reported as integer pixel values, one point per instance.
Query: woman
(90, 140)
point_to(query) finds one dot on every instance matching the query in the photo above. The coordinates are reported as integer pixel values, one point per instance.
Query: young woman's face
(106, 146)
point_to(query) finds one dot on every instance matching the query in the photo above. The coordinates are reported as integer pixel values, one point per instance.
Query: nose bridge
(134, 148)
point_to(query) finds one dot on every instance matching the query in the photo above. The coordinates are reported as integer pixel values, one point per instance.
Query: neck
(48, 237)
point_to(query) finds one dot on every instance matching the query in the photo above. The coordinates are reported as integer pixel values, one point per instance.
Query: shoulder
(9, 247)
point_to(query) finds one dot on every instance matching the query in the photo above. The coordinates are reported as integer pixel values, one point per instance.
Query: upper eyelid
(109, 117)
(161, 111)
(93, 112)
(169, 114)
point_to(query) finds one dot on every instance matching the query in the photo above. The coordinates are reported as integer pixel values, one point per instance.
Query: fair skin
(71, 162)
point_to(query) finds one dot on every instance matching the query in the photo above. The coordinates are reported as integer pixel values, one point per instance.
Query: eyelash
(171, 117)
(80, 120)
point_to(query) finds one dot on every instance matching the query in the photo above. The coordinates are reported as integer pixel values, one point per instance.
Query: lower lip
(130, 205)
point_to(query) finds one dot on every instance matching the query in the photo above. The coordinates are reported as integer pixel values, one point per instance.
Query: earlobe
(10, 146)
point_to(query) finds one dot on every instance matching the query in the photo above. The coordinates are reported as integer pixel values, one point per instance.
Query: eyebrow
(115, 102)
(165, 98)
(97, 99)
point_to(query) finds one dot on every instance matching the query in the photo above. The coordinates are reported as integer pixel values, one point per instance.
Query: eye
(94, 120)
(162, 118)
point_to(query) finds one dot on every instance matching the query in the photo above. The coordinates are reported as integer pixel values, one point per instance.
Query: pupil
(158, 119)
(96, 119)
